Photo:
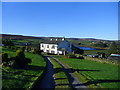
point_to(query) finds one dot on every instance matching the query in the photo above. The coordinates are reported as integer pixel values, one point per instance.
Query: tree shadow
(95, 82)
(59, 78)
(7, 74)
(100, 81)
(28, 67)
(70, 70)
(13, 78)
(62, 84)
(34, 68)
(71, 79)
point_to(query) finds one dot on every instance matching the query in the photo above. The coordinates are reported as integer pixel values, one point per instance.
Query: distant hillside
(9, 36)
(91, 39)
(86, 42)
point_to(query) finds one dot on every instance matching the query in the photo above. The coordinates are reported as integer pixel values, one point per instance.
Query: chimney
(51, 39)
(63, 39)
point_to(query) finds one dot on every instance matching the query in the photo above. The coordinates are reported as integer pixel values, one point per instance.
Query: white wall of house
(54, 48)
(66, 45)
(49, 48)
(60, 52)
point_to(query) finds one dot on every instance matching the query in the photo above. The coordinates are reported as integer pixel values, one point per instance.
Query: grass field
(60, 75)
(33, 41)
(80, 41)
(94, 51)
(22, 78)
(105, 75)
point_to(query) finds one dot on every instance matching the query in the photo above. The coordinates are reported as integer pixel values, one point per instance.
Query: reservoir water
(87, 48)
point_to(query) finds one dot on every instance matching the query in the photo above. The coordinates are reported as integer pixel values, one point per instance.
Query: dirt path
(74, 81)
(48, 80)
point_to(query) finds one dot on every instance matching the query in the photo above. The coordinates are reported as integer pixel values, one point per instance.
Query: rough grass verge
(24, 77)
(60, 76)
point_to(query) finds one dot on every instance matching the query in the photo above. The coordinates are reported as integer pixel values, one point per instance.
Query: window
(53, 52)
(42, 45)
(47, 51)
(47, 46)
(53, 47)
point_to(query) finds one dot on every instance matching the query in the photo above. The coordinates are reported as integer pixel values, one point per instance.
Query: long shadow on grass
(21, 71)
(73, 81)
(29, 67)
(70, 70)
(60, 78)
(34, 68)
(13, 78)
(19, 75)
(92, 82)
(100, 81)
(70, 77)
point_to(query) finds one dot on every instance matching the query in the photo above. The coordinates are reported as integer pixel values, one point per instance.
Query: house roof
(53, 41)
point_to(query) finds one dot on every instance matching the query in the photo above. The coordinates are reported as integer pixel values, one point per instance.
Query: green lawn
(95, 72)
(83, 42)
(33, 41)
(22, 78)
(60, 75)
(94, 51)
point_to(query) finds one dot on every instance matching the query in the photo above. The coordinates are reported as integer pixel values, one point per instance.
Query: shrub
(113, 48)
(28, 60)
(20, 54)
(7, 42)
(79, 56)
(71, 56)
(23, 49)
(20, 60)
(12, 48)
(9, 47)
(36, 51)
(5, 59)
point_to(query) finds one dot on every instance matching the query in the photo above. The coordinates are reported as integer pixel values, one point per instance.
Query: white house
(49, 48)
(58, 46)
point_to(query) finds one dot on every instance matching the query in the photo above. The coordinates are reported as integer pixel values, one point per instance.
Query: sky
(57, 19)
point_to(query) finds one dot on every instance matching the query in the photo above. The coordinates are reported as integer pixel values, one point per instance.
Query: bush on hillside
(100, 44)
(113, 49)
(20, 54)
(7, 42)
(23, 49)
(79, 56)
(5, 59)
(36, 51)
(20, 60)
(71, 56)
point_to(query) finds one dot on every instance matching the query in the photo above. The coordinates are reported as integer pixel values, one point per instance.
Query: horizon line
(59, 36)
